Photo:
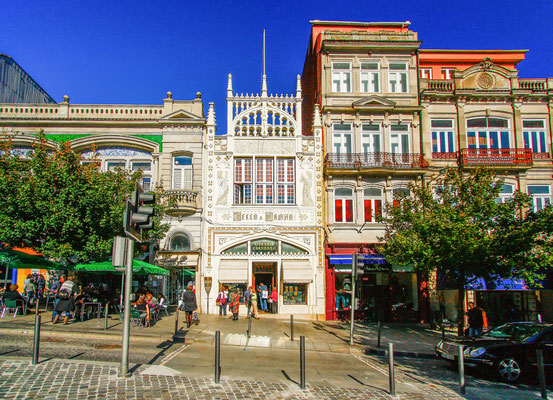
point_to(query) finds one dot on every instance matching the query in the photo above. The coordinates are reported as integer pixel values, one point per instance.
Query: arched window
(488, 133)
(180, 242)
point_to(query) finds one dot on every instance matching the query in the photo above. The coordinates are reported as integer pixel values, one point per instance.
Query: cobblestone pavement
(71, 380)
(436, 372)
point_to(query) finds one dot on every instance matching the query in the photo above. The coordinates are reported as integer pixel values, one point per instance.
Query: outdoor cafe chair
(10, 305)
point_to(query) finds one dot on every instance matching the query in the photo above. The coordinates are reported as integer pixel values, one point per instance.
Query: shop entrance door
(265, 272)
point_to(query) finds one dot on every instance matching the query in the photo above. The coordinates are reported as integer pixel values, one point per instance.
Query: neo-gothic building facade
(263, 203)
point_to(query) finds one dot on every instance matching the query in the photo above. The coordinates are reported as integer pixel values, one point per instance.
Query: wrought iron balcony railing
(375, 160)
(496, 157)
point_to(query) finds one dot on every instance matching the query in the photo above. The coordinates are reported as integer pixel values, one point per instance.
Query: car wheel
(509, 370)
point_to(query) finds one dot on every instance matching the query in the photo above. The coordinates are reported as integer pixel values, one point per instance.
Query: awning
(15, 259)
(338, 259)
(297, 271)
(233, 271)
(139, 268)
(369, 259)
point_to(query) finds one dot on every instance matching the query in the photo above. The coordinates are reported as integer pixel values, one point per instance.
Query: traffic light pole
(124, 372)
(353, 279)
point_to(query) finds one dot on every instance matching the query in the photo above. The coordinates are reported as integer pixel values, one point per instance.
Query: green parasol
(139, 268)
(17, 259)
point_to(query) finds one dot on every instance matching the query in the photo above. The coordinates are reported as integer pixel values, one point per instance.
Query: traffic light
(360, 267)
(139, 215)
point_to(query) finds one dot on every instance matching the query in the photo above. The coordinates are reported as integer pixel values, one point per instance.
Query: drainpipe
(421, 135)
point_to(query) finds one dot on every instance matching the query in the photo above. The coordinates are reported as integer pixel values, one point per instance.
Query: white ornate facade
(263, 201)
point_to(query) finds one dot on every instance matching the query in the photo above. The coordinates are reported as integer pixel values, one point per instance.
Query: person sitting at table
(152, 304)
(12, 294)
(142, 306)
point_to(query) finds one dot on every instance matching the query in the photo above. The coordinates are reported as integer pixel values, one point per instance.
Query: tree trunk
(461, 306)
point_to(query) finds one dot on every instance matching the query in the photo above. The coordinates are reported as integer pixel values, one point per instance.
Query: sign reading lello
(264, 246)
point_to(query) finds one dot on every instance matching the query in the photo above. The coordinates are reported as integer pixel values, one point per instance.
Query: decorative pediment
(374, 102)
(180, 115)
(485, 76)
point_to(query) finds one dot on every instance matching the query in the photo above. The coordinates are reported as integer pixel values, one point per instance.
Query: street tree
(455, 223)
(61, 207)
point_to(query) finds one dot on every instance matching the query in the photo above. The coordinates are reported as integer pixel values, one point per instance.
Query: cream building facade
(263, 203)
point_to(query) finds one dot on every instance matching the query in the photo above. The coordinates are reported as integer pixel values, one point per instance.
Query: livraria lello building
(297, 183)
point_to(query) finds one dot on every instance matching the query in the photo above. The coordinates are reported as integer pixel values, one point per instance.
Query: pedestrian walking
(189, 304)
(41, 283)
(253, 299)
(222, 299)
(476, 318)
(248, 299)
(234, 304)
(274, 301)
(66, 303)
(263, 296)
(29, 288)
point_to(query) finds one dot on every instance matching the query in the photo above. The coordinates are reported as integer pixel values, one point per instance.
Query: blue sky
(133, 52)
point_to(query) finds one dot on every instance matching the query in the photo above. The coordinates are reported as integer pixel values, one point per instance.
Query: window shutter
(177, 178)
(187, 178)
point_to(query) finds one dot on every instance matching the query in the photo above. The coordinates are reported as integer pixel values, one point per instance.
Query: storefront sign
(268, 216)
(264, 246)
(207, 283)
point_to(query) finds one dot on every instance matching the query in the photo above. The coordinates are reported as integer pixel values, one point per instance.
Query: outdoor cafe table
(91, 304)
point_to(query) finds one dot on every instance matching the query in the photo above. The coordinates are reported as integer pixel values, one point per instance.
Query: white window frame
(108, 161)
(488, 130)
(505, 195)
(372, 198)
(535, 138)
(240, 183)
(183, 175)
(540, 200)
(426, 73)
(442, 134)
(288, 183)
(343, 199)
(447, 73)
(342, 139)
(370, 77)
(341, 77)
(395, 77)
(397, 142)
(266, 182)
(371, 140)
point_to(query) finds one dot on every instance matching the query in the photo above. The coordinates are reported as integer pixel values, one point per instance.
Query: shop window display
(294, 293)
(241, 289)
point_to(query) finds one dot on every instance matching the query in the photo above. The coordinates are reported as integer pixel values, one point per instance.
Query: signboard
(264, 246)
(207, 283)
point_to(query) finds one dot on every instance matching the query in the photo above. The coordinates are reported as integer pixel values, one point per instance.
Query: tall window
(264, 181)
(114, 165)
(372, 204)
(397, 78)
(146, 168)
(370, 78)
(399, 194)
(180, 242)
(243, 181)
(399, 139)
(182, 172)
(488, 133)
(447, 73)
(285, 181)
(341, 77)
(442, 136)
(371, 137)
(343, 205)
(341, 138)
(534, 135)
(505, 193)
(541, 196)
(426, 73)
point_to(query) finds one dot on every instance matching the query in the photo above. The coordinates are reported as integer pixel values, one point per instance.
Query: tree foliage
(455, 224)
(51, 202)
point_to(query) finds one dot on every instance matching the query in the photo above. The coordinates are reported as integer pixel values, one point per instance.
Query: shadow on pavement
(288, 377)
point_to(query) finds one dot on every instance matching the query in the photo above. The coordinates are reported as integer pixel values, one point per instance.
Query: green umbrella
(139, 268)
(17, 259)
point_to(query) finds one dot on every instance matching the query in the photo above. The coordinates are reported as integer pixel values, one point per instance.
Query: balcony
(374, 162)
(510, 158)
(182, 202)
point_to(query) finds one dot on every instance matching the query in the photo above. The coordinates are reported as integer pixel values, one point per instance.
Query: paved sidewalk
(77, 380)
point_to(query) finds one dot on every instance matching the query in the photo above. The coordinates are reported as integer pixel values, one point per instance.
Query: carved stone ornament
(487, 64)
(485, 81)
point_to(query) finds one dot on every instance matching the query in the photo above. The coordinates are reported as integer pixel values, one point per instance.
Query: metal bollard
(217, 356)
(291, 327)
(461, 362)
(541, 374)
(391, 375)
(36, 340)
(379, 332)
(250, 325)
(36, 306)
(302, 362)
(176, 320)
(106, 316)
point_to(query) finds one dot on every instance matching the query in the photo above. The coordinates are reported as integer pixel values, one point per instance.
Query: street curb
(402, 354)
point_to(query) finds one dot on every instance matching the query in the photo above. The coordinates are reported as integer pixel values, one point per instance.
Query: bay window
(343, 205)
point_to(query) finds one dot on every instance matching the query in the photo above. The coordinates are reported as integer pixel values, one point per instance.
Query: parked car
(508, 351)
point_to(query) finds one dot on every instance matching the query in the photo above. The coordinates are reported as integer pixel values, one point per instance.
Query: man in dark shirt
(12, 294)
(476, 319)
